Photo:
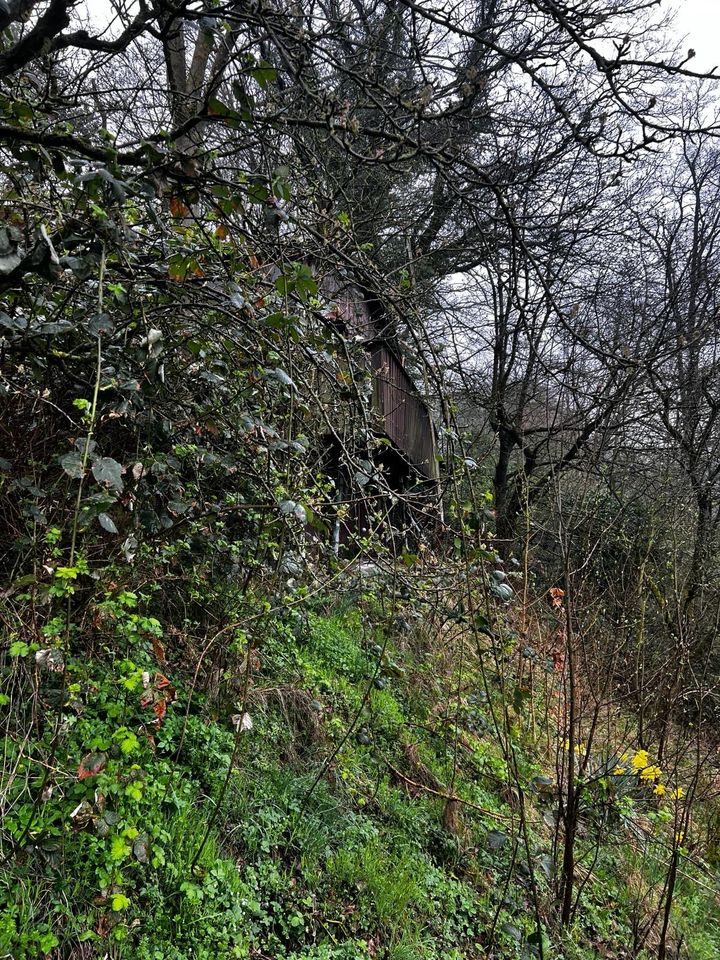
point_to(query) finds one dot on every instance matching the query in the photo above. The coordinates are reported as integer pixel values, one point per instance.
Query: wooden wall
(402, 413)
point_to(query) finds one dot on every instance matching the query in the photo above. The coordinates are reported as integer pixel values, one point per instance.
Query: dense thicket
(524, 197)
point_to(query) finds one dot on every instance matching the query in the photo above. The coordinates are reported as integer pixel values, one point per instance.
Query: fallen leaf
(91, 765)
(242, 722)
(81, 815)
(51, 660)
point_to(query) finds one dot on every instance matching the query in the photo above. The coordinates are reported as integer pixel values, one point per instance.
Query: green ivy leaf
(100, 324)
(257, 192)
(264, 73)
(496, 839)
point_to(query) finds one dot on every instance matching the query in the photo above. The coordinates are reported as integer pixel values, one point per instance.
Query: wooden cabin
(400, 415)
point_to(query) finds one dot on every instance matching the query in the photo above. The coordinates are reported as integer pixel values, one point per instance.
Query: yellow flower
(640, 760)
(679, 837)
(618, 771)
(678, 794)
(579, 748)
(650, 773)
(659, 790)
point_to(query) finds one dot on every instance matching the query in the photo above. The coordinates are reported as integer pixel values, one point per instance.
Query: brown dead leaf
(178, 208)
(158, 649)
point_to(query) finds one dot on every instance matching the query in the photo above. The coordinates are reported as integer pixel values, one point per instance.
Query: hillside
(359, 481)
(388, 787)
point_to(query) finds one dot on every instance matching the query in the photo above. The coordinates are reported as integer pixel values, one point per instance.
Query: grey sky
(700, 20)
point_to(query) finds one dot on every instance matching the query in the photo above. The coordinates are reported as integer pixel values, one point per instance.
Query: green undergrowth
(332, 837)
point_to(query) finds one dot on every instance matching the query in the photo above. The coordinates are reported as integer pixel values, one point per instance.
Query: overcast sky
(700, 20)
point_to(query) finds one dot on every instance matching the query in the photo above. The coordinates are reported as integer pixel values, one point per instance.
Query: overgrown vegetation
(360, 481)
(411, 844)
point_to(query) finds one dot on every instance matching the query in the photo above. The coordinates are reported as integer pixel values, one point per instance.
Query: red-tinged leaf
(169, 691)
(91, 765)
(557, 594)
(178, 208)
(147, 698)
(159, 649)
(160, 709)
